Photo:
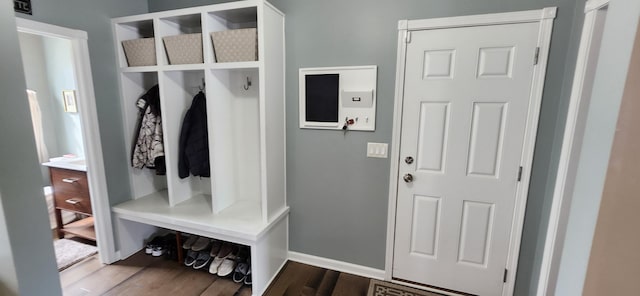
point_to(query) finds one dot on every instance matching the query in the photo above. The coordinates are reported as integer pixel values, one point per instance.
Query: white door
(466, 100)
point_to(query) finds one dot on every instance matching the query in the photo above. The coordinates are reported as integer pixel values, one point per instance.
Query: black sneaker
(191, 258)
(158, 250)
(241, 271)
(152, 244)
(202, 260)
(247, 279)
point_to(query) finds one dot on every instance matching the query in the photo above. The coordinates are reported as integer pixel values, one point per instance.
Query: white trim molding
(337, 265)
(530, 16)
(90, 130)
(595, 5)
(43, 29)
(571, 146)
(545, 18)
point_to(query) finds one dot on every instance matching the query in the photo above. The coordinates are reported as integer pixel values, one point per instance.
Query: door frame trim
(88, 113)
(545, 19)
(571, 145)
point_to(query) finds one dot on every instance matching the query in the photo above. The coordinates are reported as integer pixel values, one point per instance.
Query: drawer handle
(70, 180)
(72, 201)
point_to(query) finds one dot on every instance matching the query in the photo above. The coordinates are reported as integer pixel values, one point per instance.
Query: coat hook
(201, 88)
(248, 84)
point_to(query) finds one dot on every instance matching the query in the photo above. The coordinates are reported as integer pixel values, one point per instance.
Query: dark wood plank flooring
(142, 274)
(297, 279)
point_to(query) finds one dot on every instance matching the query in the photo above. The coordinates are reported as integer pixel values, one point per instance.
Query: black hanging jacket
(193, 155)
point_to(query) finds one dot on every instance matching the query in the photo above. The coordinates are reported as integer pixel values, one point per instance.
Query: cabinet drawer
(70, 190)
(73, 202)
(69, 181)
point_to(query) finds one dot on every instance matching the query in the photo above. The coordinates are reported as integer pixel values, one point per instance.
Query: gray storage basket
(184, 49)
(140, 52)
(239, 45)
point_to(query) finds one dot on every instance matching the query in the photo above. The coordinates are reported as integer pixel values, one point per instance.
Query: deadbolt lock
(408, 160)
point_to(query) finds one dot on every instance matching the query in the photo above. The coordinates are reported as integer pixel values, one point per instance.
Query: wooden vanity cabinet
(71, 193)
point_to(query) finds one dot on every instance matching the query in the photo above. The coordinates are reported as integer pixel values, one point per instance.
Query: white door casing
(470, 101)
(90, 130)
(590, 41)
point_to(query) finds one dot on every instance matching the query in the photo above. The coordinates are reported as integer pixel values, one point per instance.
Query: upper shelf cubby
(135, 37)
(182, 24)
(135, 29)
(222, 22)
(239, 18)
(180, 39)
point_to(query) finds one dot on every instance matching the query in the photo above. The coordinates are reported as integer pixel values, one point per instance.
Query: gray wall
(8, 276)
(33, 60)
(617, 44)
(48, 66)
(59, 59)
(25, 241)
(94, 17)
(338, 197)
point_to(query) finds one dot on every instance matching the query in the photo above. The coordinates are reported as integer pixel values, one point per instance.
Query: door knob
(408, 178)
(408, 160)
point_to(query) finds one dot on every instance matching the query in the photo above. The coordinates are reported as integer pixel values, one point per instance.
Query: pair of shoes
(196, 243)
(225, 260)
(199, 255)
(198, 251)
(242, 272)
(197, 260)
(150, 245)
(159, 245)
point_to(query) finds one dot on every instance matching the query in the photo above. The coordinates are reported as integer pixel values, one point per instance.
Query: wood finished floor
(142, 274)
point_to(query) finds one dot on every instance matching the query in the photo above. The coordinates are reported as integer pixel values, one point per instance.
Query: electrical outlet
(378, 150)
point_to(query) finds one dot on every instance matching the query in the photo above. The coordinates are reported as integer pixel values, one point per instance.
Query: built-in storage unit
(244, 199)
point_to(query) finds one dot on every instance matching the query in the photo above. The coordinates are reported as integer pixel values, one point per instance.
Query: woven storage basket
(140, 52)
(184, 49)
(235, 45)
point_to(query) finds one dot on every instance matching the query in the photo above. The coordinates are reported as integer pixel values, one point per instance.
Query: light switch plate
(378, 150)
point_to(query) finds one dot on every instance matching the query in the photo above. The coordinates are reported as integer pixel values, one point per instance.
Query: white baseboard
(337, 265)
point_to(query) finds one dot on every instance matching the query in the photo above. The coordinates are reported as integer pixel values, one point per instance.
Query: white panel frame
(443, 142)
(274, 159)
(364, 77)
(545, 18)
(96, 175)
(436, 225)
(571, 145)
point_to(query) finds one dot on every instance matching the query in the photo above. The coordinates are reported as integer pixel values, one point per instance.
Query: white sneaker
(215, 264)
(229, 263)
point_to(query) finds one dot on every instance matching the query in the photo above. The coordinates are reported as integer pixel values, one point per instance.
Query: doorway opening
(51, 89)
(466, 116)
(64, 118)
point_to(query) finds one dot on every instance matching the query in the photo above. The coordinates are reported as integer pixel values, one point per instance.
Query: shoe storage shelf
(244, 199)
